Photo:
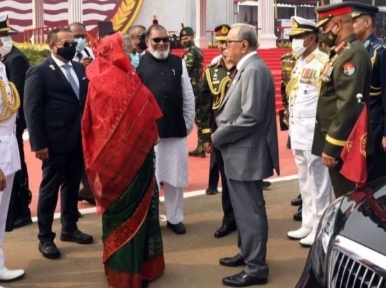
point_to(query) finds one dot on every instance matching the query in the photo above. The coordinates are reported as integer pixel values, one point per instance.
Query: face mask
(298, 46)
(81, 44)
(134, 59)
(7, 45)
(67, 53)
(142, 42)
(328, 38)
(187, 44)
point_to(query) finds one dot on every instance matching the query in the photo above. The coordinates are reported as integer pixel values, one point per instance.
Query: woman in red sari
(119, 132)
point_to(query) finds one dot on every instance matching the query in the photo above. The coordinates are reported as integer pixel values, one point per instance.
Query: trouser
(61, 171)
(377, 161)
(214, 174)
(229, 215)
(85, 188)
(174, 203)
(340, 184)
(197, 121)
(5, 196)
(252, 225)
(315, 187)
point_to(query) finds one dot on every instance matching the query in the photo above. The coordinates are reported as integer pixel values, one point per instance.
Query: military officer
(364, 20)
(303, 93)
(215, 84)
(347, 73)
(9, 159)
(194, 60)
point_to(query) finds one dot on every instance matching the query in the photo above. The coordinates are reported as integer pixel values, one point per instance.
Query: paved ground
(191, 259)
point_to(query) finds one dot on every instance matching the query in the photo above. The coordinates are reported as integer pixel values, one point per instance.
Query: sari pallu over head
(119, 122)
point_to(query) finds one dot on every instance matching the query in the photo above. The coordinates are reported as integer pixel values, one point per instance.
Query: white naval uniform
(172, 158)
(314, 180)
(9, 161)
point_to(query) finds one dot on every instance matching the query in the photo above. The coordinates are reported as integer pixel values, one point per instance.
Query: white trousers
(315, 187)
(5, 196)
(174, 203)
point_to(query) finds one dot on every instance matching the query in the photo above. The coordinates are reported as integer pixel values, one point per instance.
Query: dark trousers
(85, 188)
(61, 171)
(19, 138)
(214, 172)
(340, 183)
(227, 208)
(376, 164)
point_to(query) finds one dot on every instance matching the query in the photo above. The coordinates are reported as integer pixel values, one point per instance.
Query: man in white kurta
(303, 92)
(166, 76)
(9, 161)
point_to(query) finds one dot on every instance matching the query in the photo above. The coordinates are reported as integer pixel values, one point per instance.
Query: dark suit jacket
(52, 109)
(16, 65)
(246, 121)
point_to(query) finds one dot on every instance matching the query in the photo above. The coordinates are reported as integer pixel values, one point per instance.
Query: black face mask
(67, 53)
(142, 42)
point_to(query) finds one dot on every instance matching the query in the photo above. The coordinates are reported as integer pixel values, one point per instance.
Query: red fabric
(343, 10)
(119, 123)
(353, 154)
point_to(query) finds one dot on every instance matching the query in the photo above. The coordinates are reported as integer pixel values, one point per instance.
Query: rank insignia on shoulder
(286, 56)
(349, 69)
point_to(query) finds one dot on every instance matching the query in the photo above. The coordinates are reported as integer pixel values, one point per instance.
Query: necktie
(71, 79)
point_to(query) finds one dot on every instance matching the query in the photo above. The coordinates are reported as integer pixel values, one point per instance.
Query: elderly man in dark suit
(247, 138)
(16, 65)
(55, 93)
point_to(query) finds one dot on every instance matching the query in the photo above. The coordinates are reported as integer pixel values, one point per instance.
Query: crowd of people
(110, 126)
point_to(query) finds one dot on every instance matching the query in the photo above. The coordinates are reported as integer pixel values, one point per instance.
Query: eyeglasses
(69, 44)
(231, 41)
(159, 39)
(80, 36)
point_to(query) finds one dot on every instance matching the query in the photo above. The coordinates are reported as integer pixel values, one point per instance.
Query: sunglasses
(80, 36)
(159, 39)
(69, 44)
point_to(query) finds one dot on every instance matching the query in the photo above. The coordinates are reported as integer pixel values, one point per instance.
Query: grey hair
(127, 42)
(247, 33)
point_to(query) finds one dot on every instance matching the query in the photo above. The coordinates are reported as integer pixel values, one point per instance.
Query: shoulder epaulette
(287, 56)
(322, 58)
(377, 45)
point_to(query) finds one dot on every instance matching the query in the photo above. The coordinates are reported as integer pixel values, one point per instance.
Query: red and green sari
(119, 131)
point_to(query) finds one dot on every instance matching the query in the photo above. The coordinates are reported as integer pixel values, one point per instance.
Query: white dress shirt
(60, 63)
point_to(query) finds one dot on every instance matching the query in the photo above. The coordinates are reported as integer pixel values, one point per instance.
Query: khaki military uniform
(347, 73)
(288, 62)
(215, 85)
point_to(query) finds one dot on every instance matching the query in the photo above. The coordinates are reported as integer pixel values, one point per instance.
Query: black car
(350, 246)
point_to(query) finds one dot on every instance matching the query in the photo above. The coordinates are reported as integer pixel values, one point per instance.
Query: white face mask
(81, 44)
(7, 45)
(298, 46)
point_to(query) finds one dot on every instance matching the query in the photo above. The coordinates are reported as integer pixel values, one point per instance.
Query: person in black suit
(54, 97)
(16, 66)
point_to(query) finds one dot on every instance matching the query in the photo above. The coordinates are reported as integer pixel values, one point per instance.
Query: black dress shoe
(232, 261)
(297, 201)
(224, 230)
(242, 279)
(196, 153)
(211, 191)
(265, 184)
(49, 250)
(298, 214)
(76, 236)
(177, 228)
(23, 221)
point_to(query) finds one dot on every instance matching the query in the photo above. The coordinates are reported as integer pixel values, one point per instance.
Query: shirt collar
(59, 62)
(244, 59)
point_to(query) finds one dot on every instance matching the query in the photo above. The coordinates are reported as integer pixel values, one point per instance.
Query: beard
(158, 54)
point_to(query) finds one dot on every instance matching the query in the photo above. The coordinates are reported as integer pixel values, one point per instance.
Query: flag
(353, 154)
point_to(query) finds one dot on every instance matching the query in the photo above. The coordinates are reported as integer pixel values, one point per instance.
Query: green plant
(34, 54)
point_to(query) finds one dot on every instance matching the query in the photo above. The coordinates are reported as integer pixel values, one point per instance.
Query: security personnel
(347, 73)
(288, 61)
(364, 20)
(303, 93)
(215, 84)
(10, 158)
(194, 60)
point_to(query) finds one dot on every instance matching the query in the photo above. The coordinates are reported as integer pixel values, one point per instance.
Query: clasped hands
(329, 161)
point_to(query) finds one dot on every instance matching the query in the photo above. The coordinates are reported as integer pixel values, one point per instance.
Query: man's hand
(329, 161)
(42, 154)
(85, 61)
(3, 181)
(208, 147)
(384, 143)
(157, 141)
